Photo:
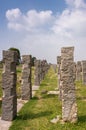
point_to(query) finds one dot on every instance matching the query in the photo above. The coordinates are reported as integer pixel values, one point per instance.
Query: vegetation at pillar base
(18, 54)
(33, 60)
(37, 113)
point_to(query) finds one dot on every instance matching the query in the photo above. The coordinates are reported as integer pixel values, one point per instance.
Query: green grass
(37, 113)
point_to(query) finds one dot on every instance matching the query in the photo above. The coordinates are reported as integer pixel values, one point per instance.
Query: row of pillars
(81, 71)
(41, 69)
(9, 78)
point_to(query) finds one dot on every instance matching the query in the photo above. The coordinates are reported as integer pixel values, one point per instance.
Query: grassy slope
(37, 113)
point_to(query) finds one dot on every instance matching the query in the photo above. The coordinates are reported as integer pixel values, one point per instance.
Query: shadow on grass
(82, 119)
(43, 84)
(31, 115)
(81, 98)
(35, 98)
(49, 96)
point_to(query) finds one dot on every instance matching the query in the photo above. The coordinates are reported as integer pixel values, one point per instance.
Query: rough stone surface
(59, 77)
(37, 73)
(45, 68)
(78, 71)
(41, 69)
(9, 99)
(69, 106)
(58, 63)
(26, 86)
(84, 72)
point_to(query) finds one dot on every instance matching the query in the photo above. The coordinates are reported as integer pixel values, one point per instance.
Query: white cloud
(29, 21)
(13, 14)
(45, 33)
(71, 24)
(76, 3)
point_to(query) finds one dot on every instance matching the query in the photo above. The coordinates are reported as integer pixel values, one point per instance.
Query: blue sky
(41, 28)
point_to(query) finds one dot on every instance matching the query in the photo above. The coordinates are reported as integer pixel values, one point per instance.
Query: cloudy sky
(41, 28)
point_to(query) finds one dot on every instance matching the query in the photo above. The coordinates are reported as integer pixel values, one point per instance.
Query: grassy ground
(37, 113)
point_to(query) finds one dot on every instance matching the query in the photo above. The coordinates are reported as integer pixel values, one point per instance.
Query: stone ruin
(9, 77)
(26, 86)
(41, 69)
(66, 78)
(78, 71)
(37, 73)
(84, 72)
(69, 106)
(45, 68)
(59, 76)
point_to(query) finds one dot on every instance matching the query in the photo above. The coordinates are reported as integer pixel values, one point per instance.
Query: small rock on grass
(56, 119)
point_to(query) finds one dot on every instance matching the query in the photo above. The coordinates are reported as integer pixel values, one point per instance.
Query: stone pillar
(84, 72)
(69, 106)
(44, 69)
(59, 80)
(58, 63)
(40, 71)
(9, 77)
(78, 71)
(37, 73)
(26, 86)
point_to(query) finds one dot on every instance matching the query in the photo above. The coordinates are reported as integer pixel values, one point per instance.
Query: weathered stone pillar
(69, 107)
(37, 73)
(84, 72)
(59, 80)
(26, 86)
(9, 99)
(44, 68)
(58, 63)
(40, 71)
(78, 71)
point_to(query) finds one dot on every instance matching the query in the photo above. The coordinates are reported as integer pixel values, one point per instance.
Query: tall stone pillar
(58, 63)
(26, 86)
(59, 75)
(69, 106)
(78, 71)
(40, 71)
(37, 73)
(84, 72)
(9, 77)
